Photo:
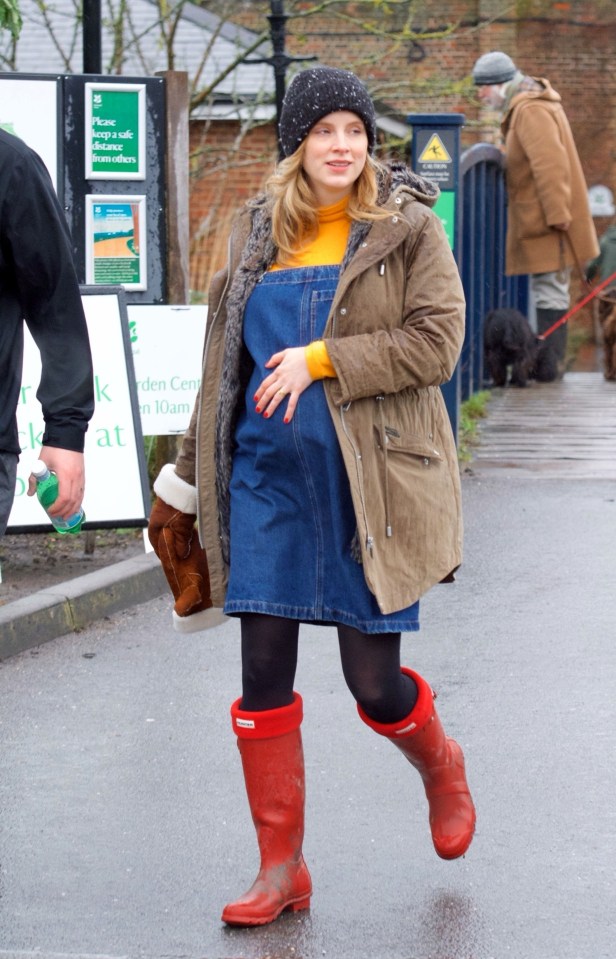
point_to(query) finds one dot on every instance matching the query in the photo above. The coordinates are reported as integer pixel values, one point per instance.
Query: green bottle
(47, 493)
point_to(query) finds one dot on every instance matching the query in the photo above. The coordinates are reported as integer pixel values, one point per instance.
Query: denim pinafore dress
(292, 518)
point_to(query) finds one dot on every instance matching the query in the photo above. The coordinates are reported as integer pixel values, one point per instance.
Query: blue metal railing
(481, 257)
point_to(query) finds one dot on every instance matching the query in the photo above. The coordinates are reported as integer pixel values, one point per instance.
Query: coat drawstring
(385, 445)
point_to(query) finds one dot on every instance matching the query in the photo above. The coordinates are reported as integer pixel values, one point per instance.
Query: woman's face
(335, 153)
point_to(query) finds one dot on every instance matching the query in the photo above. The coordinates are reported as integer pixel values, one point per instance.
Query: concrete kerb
(70, 606)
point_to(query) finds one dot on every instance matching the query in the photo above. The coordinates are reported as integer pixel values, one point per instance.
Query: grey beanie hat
(313, 94)
(493, 68)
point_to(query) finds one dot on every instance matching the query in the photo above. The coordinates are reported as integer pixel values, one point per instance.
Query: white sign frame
(115, 200)
(90, 91)
(117, 487)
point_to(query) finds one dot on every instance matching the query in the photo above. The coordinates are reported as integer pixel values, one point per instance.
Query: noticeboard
(103, 136)
(117, 488)
(131, 113)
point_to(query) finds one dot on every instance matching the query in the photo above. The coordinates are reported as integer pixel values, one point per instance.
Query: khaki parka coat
(394, 334)
(545, 185)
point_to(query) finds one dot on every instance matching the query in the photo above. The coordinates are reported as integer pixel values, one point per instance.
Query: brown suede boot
(270, 745)
(440, 763)
(174, 538)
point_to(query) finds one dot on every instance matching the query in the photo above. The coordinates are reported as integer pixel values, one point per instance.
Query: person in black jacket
(38, 284)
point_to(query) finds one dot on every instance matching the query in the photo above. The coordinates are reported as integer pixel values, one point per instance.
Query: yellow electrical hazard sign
(435, 151)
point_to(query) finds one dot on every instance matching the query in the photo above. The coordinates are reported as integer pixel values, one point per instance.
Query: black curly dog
(509, 343)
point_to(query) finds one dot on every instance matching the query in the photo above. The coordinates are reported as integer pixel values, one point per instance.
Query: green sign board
(445, 209)
(115, 131)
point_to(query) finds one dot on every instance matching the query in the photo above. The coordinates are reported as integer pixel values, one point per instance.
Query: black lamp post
(92, 55)
(279, 59)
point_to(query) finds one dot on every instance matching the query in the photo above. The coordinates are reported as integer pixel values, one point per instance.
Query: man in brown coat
(549, 223)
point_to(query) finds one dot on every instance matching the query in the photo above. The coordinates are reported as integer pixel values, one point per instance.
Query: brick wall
(427, 74)
(227, 167)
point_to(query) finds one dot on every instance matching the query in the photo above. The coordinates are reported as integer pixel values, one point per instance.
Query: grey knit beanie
(313, 94)
(493, 68)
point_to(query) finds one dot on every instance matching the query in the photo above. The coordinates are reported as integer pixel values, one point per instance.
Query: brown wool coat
(545, 185)
(394, 334)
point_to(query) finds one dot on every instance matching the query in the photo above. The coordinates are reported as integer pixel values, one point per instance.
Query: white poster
(116, 250)
(117, 490)
(29, 110)
(167, 343)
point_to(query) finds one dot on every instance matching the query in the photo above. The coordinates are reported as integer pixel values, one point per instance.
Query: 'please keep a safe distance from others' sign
(115, 131)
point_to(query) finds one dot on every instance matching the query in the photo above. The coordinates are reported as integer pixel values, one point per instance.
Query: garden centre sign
(117, 488)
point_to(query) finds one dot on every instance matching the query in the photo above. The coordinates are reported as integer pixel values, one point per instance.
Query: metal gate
(482, 256)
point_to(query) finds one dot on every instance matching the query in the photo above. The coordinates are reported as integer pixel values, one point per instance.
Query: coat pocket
(530, 220)
(414, 486)
(395, 441)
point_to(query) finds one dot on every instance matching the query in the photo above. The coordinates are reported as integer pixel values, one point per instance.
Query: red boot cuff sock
(416, 719)
(268, 723)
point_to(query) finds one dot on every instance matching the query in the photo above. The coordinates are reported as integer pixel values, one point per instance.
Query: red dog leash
(578, 306)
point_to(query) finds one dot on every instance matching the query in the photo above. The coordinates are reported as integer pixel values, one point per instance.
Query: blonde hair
(294, 205)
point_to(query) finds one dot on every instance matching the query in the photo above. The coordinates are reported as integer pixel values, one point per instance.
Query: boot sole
(295, 905)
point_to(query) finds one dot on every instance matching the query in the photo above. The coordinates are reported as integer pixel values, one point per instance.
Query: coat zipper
(343, 410)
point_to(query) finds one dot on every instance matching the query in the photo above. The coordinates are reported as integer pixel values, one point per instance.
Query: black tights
(370, 664)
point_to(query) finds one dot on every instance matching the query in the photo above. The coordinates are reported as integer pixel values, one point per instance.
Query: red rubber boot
(440, 763)
(270, 745)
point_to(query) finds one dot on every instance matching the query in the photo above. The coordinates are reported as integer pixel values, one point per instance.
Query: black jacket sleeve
(37, 240)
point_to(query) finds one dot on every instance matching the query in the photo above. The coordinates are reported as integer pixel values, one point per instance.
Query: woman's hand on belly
(290, 377)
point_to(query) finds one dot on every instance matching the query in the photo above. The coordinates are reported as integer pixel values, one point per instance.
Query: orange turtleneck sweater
(326, 249)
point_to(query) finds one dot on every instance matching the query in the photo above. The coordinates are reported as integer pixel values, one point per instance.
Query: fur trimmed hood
(401, 175)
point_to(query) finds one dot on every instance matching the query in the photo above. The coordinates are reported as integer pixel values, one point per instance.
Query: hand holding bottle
(47, 493)
(68, 466)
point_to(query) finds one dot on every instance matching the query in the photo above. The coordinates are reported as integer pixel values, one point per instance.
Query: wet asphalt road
(124, 826)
